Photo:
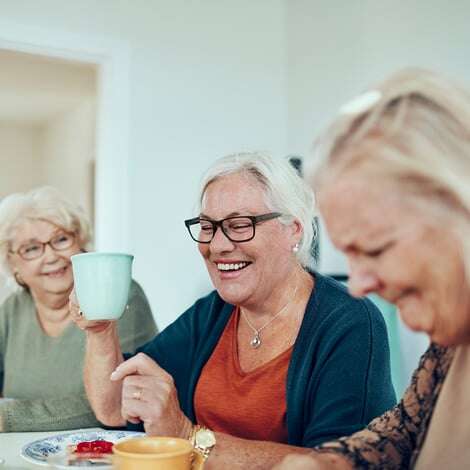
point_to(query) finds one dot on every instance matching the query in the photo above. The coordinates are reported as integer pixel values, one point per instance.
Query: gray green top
(43, 375)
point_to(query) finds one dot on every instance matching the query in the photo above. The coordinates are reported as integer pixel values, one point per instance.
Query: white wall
(336, 49)
(207, 78)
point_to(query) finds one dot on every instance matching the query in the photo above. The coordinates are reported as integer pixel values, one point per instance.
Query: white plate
(37, 452)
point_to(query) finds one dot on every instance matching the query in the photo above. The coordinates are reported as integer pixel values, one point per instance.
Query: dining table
(11, 444)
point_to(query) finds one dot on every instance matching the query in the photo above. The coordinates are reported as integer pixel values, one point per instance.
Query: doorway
(47, 126)
(107, 194)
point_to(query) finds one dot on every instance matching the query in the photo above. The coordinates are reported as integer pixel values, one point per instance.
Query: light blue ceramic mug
(102, 282)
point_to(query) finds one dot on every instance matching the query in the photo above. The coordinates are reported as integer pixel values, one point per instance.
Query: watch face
(205, 438)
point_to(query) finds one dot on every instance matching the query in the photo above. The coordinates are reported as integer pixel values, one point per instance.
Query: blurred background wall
(210, 77)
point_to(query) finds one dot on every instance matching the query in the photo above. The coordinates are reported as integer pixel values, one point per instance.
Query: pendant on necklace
(256, 341)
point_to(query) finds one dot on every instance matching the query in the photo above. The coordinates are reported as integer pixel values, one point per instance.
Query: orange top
(250, 405)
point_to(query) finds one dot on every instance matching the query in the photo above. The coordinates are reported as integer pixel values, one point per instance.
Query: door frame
(112, 60)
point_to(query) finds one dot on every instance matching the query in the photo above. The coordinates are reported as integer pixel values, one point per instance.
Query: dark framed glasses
(237, 228)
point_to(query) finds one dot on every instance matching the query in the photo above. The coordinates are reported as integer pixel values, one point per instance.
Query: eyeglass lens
(235, 228)
(35, 249)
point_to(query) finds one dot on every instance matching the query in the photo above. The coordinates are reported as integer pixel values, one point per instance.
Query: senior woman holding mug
(276, 357)
(394, 191)
(41, 352)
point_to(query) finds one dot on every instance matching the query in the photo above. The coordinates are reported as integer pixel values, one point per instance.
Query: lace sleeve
(392, 441)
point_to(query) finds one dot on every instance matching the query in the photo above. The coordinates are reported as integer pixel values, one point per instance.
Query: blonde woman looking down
(393, 187)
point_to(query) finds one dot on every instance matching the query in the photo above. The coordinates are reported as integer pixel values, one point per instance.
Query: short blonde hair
(44, 203)
(413, 128)
(285, 191)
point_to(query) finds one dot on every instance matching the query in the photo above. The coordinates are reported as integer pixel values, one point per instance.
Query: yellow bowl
(155, 453)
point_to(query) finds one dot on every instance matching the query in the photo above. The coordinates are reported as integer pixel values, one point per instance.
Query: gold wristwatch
(203, 440)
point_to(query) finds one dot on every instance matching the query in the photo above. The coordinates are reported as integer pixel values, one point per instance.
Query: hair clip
(361, 103)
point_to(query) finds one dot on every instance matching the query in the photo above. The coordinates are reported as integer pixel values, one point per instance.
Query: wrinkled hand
(300, 462)
(90, 326)
(149, 395)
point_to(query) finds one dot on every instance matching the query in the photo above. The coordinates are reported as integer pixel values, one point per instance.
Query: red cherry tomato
(100, 447)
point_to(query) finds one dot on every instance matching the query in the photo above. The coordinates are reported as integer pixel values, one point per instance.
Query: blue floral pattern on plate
(38, 451)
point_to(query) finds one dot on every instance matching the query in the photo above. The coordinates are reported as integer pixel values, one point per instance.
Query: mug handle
(198, 460)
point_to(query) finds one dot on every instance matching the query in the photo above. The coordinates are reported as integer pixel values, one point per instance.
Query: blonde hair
(413, 128)
(44, 203)
(285, 191)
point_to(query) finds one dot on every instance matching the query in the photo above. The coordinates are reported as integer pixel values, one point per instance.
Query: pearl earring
(295, 248)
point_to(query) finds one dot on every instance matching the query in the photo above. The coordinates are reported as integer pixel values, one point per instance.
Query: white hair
(285, 191)
(414, 128)
(44, 203)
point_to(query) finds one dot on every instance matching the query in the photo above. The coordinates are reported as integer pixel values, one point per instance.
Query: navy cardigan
(339, 374)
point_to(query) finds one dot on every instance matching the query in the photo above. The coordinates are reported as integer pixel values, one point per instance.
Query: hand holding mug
(102, 283)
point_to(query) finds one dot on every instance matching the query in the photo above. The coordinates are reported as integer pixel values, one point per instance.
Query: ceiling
(35, 89)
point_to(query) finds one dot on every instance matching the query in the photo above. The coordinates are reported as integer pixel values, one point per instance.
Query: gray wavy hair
(285, 191)
(44, 203)
(414, 128)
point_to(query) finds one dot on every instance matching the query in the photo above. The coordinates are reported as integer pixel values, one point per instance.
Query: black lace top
(393, 440)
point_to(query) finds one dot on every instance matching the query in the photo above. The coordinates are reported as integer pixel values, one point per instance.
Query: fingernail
(113, 375)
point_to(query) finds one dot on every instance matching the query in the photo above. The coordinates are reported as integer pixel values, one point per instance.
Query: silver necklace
(256, 340)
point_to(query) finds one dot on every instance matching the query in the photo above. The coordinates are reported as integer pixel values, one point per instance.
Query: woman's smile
(231, 269)
(56, 273)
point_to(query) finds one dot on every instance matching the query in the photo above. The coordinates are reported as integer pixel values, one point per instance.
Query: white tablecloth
(11, 444)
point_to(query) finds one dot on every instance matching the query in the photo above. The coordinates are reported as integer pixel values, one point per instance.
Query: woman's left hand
(149, 395)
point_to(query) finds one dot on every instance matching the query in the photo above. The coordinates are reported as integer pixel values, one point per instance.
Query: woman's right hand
(90, 326)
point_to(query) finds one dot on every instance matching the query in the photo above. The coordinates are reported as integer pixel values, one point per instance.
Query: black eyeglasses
(237, 229)
(35, 249)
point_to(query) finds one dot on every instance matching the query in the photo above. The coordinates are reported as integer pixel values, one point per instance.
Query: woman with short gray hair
(277, 354)
(40, 351)
(283, 189)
